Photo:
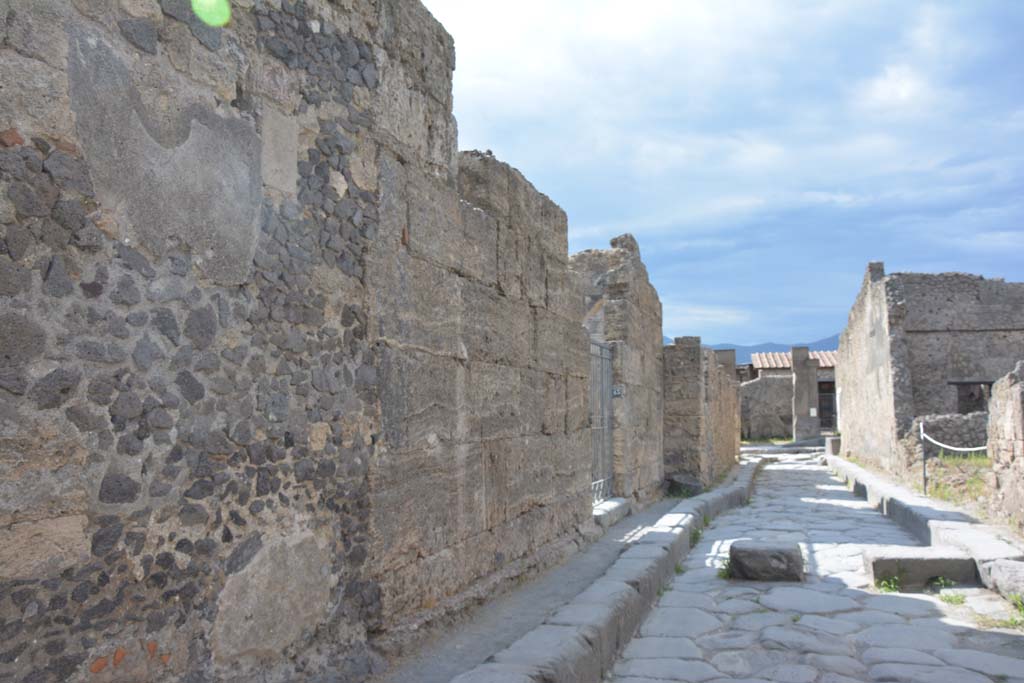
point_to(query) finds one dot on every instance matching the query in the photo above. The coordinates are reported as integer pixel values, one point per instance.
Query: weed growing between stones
(1014, 622)
(1011, 623)
(725, 572)
(940, 582)
(953, 598)
(695, 537)
(679, 568)
(893, 584)
(1017, 600)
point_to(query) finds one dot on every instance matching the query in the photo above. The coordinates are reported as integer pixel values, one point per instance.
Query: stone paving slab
(916, 566)
(833, 628)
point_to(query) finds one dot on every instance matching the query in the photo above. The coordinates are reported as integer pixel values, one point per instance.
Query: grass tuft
(725, 572)
(893, 584)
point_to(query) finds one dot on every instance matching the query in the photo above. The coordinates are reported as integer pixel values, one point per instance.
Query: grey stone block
(558, 653)
(601, 625)
(627, 605)
(610, 512)
(981, 542)
(760, 561)
(915, 567)
(663, 559)
(1004, 576)
(675, 540)
(643, 575)
(499, 673)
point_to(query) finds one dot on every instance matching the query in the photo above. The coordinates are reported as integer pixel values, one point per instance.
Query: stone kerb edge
(580, 641)
(932, 524)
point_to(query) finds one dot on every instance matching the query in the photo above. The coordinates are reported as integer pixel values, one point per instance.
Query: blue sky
(761, 152)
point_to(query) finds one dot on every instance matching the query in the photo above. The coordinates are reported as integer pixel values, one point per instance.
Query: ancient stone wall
(1006, 446)
(702, 413)
(872, 379)
(243, 312)
(618, 305)
(910, 336)
(958, 327)
(723, 407)
(766, 407)
(484, 462)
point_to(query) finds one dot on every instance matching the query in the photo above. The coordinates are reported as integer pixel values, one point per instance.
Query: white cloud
(900, 88)
(707, 125)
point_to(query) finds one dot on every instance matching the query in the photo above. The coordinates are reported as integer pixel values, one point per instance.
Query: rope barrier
(948, 447)
(924, 455)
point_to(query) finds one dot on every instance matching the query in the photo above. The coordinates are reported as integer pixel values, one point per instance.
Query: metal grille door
(601, 420)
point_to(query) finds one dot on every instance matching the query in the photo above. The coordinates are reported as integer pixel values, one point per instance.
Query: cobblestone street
(834, 628)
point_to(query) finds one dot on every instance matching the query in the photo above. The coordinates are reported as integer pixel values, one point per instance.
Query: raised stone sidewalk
(578, 641)
(955, 540)
(833, 628)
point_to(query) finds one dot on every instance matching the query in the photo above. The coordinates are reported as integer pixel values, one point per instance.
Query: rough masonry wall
(1006, 446)
(872, 384)
(766, 407)
(620, 307)
(723, 407)
(684, 429)
(483, 467)
(242, 309)
(702, 413)
(958, 328)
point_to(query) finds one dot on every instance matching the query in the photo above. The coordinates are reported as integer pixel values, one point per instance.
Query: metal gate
(601, 420)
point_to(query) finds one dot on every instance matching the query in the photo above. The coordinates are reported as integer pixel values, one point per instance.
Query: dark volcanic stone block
(760, 561)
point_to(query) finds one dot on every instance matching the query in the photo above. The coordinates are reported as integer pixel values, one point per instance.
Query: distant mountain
(743, 353)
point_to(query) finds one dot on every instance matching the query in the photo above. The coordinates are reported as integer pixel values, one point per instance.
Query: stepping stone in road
(766, 561)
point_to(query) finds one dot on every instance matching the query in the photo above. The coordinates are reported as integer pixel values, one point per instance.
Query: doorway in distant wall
(827, 405)
(601, 473)
(972, 397)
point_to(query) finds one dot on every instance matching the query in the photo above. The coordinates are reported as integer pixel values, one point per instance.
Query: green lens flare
(212, 12)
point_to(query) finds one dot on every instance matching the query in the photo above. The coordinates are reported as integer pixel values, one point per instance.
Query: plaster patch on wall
(196, 178)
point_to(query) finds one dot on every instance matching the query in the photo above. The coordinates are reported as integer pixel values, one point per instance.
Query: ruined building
(923, 348)
(702, 414)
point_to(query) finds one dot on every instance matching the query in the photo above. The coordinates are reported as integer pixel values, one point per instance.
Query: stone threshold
(610, 512)
(950, 535)
(580, 642)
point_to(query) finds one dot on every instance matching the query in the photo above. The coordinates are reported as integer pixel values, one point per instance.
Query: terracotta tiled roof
(773, 361)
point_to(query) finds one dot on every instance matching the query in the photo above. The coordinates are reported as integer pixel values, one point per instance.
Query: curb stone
(580, 641)
(999, 560)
